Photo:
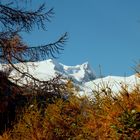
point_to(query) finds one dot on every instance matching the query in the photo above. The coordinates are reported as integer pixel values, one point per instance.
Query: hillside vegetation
(79, 118)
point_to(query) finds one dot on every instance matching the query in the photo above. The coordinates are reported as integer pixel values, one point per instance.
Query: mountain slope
(113, 83)
(82, 75)
(45, 70)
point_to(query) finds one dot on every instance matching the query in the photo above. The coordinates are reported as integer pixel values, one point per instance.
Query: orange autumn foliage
(78, 118)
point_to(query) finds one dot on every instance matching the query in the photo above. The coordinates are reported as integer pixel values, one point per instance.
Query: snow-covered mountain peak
(45, 70)
(82, 75)
(51, 61)
(85, 65)
(78, 73)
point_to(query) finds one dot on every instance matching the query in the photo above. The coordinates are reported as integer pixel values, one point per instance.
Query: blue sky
(102, 32)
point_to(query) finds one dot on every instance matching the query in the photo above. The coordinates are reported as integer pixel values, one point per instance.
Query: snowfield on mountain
(82, 75)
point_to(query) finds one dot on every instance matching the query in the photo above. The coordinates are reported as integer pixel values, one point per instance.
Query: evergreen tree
(14, 20)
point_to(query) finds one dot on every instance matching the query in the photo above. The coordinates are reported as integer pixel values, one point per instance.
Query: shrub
(80, 118)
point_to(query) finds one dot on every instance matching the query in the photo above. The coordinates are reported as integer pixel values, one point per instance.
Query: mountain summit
(45, 70)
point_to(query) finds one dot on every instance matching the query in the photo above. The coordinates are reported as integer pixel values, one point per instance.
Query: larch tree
(14, 20)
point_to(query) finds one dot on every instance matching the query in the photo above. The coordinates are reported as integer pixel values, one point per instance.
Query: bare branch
(18, 18)
(49, 50)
